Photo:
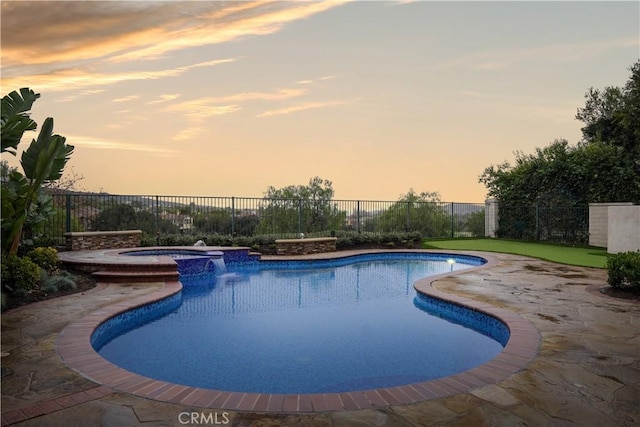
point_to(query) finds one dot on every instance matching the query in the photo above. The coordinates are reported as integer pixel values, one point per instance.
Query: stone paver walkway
(587, 372)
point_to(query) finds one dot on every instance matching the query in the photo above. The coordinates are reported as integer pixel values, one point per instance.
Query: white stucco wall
(599, 223)
(623, 229)
(490, 217)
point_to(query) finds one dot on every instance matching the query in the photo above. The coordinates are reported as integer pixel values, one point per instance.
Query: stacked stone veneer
(306, 246)
(85, 240)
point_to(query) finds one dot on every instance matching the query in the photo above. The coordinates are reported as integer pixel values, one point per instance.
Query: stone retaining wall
(306, 246)
(85, 240)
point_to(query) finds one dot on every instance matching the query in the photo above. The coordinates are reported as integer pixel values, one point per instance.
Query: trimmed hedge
(267, 243)
(623, 270)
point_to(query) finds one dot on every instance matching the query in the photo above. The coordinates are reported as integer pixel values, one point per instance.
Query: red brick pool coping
(75, 349)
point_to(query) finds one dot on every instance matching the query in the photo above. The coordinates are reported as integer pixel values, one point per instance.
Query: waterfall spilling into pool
(215, 266)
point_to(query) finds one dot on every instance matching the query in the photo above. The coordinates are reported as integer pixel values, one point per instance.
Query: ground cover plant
(37, 276)
(580, 256)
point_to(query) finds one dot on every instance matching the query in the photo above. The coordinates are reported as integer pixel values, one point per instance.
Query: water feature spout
(216, 266)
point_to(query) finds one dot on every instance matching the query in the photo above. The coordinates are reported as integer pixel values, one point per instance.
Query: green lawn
(586, 257)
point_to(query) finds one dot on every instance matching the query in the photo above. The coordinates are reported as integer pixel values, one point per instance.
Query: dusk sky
(227, 98)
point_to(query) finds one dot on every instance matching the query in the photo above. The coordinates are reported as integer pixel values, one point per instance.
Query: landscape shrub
(266, 242)
(46, 258)
(62, 281)
(50, 288)
(623, 270)
(19, 274)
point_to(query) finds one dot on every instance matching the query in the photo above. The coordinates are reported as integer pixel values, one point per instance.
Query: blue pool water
(330, 326)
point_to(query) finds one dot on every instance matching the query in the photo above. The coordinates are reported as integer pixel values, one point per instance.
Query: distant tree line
(309, 209)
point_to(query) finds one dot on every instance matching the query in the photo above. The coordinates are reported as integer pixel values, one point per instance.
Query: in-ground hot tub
(190, 261)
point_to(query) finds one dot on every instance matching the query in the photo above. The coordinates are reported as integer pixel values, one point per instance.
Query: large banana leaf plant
(43, 161)
(15, 118)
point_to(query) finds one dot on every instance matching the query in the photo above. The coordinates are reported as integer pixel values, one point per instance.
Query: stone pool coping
(74, 348)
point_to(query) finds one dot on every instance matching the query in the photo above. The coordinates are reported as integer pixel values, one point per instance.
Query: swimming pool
(326, 326)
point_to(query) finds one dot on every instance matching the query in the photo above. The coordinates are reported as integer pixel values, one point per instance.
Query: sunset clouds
(378, 96)
(73, 35)
(105, 144)
(72, 79)
(301, 107)
(201, 108)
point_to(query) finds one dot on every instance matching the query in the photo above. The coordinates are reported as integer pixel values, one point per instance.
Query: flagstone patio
(586, 372)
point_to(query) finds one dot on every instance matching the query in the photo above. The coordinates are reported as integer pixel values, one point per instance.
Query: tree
(612, 115)
(422, 212)
(116, 217)
(42, 162)
(603, 167)
(214, 221)
(126, 217)
(69, 182)
(474, 222)
(548, 176)
(300, 208)
(246, 225)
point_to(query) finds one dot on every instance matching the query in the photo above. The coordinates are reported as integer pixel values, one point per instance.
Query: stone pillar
(599, 223)
(623, 229)
(490, 217)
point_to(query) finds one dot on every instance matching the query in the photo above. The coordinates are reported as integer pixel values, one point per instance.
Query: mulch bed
(84, 282)
(632, 294)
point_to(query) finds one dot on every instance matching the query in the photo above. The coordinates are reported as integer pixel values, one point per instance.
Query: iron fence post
(408, 225)
(537, 230)
(452, 220)
(68, 213)
(358, 217)
(158, 220)
(233, 216)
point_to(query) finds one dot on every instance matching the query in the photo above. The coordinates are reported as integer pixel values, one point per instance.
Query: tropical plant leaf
(18, 103)
(15, 118)
(14, 207)
(23, 205)
(46, 157)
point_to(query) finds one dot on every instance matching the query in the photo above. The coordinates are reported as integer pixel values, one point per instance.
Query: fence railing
(544, 223)
(244, 216)
(198, 216)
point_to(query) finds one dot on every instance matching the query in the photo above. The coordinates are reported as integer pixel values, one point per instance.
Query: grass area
(581, 256)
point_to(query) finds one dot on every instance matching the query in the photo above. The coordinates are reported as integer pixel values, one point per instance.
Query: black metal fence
(544, 223)
(245, 216)
(195, 216)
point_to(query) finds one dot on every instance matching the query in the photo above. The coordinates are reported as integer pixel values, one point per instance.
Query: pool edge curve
(74, 348)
